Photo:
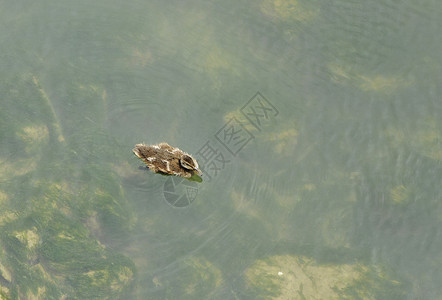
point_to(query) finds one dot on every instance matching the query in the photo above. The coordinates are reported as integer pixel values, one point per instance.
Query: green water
(331, 191)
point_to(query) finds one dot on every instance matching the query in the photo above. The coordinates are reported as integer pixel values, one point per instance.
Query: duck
(165, 159)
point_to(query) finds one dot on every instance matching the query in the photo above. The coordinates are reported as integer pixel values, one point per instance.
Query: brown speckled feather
(166, 159)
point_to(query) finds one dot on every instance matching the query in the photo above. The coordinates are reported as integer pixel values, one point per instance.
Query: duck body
(163, 158)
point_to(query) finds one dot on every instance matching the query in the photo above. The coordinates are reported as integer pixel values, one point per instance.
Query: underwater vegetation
(291, 277)
(56, 218)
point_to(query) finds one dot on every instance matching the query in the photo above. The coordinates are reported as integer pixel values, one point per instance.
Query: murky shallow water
(317, 126)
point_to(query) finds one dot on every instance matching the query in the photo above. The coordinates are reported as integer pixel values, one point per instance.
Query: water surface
(317, 126)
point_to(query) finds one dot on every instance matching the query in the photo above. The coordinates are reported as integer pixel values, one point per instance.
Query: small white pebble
(280, 273)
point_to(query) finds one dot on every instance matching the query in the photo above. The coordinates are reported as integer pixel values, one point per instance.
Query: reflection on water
(323, 185)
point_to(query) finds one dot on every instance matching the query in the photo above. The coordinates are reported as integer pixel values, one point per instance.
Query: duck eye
(187, 162)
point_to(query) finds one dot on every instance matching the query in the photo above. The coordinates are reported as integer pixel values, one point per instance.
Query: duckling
(163, 158)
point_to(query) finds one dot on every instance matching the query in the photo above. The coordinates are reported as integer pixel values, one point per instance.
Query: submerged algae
(47, 248)
(299, 277)
(201, 280)
(59, 255)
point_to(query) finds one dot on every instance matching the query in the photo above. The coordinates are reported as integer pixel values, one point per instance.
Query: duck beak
(199, 172)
